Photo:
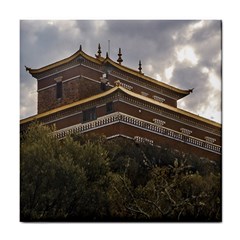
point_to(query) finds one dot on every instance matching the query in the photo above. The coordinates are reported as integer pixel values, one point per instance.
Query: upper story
(81, 76)
(120, 111)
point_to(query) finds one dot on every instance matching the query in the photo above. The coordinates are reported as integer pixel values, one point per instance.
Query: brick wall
(74, 87)
(139, 90)
(74, 90)
(130, 131)
(149, 116)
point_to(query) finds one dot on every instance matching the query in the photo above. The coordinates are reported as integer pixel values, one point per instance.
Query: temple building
(83, 94)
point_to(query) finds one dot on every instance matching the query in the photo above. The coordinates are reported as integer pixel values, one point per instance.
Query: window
(159, 99)
(144, 94)
(89, 115)
(210, 140)
(103, 86)
(159, 122)
(185, 131)
(59, 90)
(109, 107)
(104, 81)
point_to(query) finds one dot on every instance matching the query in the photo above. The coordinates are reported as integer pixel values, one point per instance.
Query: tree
(88, 178)
(60, 179)
(172, 194)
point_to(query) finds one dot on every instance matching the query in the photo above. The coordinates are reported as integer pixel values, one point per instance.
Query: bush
(87, 178)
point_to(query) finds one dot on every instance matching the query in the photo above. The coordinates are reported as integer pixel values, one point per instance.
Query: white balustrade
(148, 126)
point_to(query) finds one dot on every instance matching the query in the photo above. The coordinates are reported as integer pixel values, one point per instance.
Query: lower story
(120, 124)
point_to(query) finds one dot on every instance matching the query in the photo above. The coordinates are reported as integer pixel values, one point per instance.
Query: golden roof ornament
(191, 90)
(99, 51)
(140, 66)
(27, 68)
(117, 83)
(120, 56)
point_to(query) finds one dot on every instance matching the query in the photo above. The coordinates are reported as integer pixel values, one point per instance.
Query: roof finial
(119, 56)
(140, 66)
(106, 54)
(27, 68)
(99, 50)
(118, 83)
(80, 48)
(191, 90)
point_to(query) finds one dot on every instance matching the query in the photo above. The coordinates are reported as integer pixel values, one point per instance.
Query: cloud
(28, 98)
(156, 43)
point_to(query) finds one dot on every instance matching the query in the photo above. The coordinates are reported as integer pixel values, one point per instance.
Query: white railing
(139, 123)
(143, 140)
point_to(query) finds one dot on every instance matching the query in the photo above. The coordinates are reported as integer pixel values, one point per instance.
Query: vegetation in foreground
(87, 178)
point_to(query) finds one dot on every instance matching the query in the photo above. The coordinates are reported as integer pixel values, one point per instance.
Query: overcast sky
(43, 43)
(185, 54)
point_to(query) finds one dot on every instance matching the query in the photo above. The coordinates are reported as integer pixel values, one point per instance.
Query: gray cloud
(206, 42)
(154, 42)
(192, 77)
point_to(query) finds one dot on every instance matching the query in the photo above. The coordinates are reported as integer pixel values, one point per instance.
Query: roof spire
(99, 50)
(119, 56)
(140, 66)
(80, 48)
(27, 68)
(191, 90)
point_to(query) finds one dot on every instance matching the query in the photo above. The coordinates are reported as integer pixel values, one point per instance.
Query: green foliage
(60, 179)
(87, 178)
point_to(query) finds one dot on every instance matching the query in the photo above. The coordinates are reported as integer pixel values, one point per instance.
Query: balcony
(118, 117)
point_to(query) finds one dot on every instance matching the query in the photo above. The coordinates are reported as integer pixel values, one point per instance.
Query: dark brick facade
(130, 131)
(169, 123)
(141, 89)
(74, 87)
(80, 81)
(73, 90)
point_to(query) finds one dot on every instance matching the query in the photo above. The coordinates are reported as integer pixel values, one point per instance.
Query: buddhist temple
(95, 94)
